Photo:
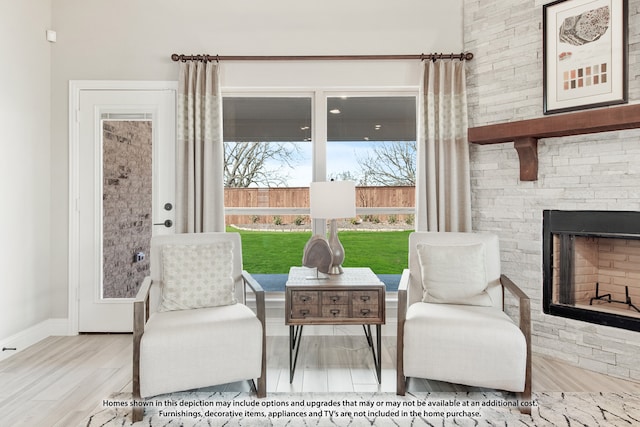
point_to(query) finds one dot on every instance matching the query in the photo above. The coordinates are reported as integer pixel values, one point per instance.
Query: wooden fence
(298, 197)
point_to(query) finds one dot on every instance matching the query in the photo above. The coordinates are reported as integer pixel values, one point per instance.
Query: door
(126, 152)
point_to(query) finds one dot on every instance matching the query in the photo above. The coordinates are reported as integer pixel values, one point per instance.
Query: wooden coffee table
(356, 297)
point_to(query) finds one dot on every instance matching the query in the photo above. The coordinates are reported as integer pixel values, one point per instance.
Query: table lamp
(332, 200)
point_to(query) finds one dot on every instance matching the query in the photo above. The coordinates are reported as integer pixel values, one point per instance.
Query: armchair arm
(141, 300)
(401, 384)
(523, 302)
(257, 290)
(249, 281)
(402, 297)
(140, 317)
(525, 327)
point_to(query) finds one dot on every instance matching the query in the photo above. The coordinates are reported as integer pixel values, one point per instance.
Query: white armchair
(191, 327)
(451, 323)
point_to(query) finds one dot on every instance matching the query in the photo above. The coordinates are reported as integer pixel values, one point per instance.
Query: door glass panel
(126, 204)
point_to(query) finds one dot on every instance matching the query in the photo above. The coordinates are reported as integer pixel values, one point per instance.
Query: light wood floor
(61, 380)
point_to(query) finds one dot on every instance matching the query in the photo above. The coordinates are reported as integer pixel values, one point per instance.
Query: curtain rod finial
(468, 56)
(175, 57)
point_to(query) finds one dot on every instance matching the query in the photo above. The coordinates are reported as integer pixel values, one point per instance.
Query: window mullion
(319, 159)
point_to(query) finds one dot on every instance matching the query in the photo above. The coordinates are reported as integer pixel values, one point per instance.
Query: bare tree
(246, 163)
(343, 176)
(390, 164)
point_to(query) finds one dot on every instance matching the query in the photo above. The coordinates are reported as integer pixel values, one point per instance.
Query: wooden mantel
(525, 133)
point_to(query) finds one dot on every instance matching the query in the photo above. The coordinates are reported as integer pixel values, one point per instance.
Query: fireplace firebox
(591, 263)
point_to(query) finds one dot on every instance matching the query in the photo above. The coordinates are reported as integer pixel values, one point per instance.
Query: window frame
(319, 97)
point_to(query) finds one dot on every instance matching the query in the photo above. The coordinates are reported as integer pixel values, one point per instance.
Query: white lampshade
(333, 199)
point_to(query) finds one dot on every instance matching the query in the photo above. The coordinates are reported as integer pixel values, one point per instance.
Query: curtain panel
(443, 193)
(200, 151)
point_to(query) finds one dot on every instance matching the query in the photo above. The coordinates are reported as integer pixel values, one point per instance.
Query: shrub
(299, 220)
(409, 220)
(277, 220)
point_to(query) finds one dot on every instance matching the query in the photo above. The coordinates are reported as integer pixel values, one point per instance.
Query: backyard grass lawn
(273, 252)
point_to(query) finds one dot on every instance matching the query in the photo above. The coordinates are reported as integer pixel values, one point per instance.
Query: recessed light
(335, 111)
(305, 128)
(378, 127)
(366, 138)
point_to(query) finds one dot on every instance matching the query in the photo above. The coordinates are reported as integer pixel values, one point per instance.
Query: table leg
(379, 339)
(295, 334)
(375, 351)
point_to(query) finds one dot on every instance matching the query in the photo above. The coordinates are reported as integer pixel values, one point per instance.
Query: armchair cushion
(197, 276)
(454, 274)
(187, 349)
(463, 344)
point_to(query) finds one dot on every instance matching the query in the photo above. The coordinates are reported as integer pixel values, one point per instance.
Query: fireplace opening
(591, 262)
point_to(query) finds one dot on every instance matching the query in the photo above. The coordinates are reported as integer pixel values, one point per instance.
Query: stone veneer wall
(127, 205)
(590, 172)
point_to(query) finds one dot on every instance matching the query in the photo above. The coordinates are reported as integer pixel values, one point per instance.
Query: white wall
(588, 172)
(24, 165)
(133, 40)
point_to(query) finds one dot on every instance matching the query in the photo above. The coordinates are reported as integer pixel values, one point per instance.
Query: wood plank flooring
(60, 380)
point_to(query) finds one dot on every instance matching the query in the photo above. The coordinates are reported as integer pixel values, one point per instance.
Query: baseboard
(32, 335)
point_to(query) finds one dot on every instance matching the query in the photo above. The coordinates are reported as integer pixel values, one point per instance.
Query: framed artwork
(585, 54)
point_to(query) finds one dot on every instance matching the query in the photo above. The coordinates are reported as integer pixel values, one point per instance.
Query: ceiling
(284, 119)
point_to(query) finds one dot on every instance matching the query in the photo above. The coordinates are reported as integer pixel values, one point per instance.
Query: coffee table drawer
(335, 311)
(304, 298)
(365, 297)
(304, 311)
(366, 311)
(335, 297)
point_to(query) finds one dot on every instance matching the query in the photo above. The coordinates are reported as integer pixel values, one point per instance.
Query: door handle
(167, 223)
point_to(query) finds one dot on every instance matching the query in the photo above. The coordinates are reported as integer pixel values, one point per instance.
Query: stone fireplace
(591, 262)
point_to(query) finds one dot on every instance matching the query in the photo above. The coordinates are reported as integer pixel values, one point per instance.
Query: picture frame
(585, 54)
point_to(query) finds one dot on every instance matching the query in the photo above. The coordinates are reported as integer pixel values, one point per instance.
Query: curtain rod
(430, 56)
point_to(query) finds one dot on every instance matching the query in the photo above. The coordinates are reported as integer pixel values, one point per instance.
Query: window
(275, 145)
(372, 141)
(267, 141)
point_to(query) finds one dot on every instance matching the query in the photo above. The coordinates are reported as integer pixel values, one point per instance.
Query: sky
(341, 157)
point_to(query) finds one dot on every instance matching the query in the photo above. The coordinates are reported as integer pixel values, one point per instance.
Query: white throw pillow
(454, 274)
(197, 276)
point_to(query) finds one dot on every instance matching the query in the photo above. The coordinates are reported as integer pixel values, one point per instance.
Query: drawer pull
(365, 311)
(365, 298)
(304, 298)
(334, 311)
(335, 298)
(304, 313)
